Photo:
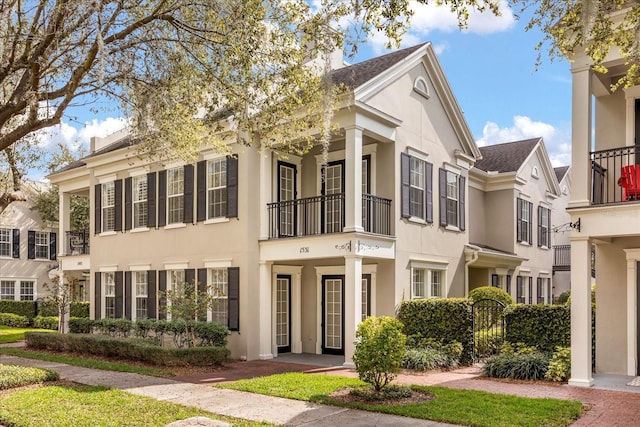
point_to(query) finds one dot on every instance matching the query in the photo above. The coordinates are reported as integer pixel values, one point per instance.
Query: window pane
(7, 289)
(5, 242)
(109, 206)
(42, 245)
(216, 188)
(418, 283)
(219, 287)
(175, 195)
(26, 290)
(139, 201)
(436, 283)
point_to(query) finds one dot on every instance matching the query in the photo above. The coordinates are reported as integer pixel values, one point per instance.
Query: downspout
(468, 261)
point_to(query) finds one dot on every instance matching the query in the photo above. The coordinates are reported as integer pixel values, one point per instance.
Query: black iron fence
(76, 243)
(615, 175)
(325, 215)
(562, 258)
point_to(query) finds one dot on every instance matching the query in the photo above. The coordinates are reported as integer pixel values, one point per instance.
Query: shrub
(488, 342)
(563, 298)
(379, 350)
(17, 376)
(425, 359)
(211, 334)
(442, 320)
(14, 320)
(48, 322)
(490, 292)
(79, 309)
(80, 325)
(517, 348)
(517, 366)
(559, 365)
(21, 308)
(543, 326)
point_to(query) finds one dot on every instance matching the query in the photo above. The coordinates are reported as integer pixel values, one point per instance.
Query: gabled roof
(507, 157)
(355, 75)
(116, 145)
(561, 172)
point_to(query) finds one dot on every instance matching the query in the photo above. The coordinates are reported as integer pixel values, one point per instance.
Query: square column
(352, 304)
(266, 173)
(265, 305)
(581, 109)
(581, 312)
(633, 282)
(353, 180)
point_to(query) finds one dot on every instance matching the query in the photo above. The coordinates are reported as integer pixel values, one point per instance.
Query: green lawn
(86, 363)
(16, 376)
(90, 406)
(466, 407)
(8, 334)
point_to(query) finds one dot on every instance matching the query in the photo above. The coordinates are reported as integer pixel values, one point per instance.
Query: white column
(581, 312)
(266, 326)
(64, 223)
(296, 312)
(265, 190)
(581, 108)
(633, 257)
(352, 304)
(353, 179)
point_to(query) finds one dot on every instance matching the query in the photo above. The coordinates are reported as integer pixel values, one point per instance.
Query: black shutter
(519, 220)
(31, 245)
(530, 222)
(127, 294)
(233, 275)
(462, 223)
(15, 243)
(188, 194)
(232, 187)
(162, 296)
(190, 275)
(508, 284)
(428, 181)
(119, 294)
(98, 297)
(98, 209)
(118, 205)
(540, 213)
(201, 193)
(162, 198)
(549, 228)
(443, 197)
(202, 288)
(128, 202)
(151, 200)
(405, 185)
(53, 246)
(151, 294)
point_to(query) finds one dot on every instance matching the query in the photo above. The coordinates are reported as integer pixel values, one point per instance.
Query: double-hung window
(427, 283)
(139, 201)
(417, 189)
(7, 289)
(108, 206)
(109, 281)
(217, 188)
(175, 195)
(5, 242)
(540, 290)
(524, 221)
(452, 198)
(417, 194)
(42, 245)
(218, 280)
(141, 285)
(544, 227)
(520, 290)
(27, 290)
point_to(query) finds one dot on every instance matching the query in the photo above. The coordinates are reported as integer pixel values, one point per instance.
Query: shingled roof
(561, 172)
(356, 75)
(507, 157)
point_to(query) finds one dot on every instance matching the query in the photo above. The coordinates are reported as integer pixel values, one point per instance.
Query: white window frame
(32, 294)
(109, 292)
(545, 228)
(421, 87)
(216, 182)
(452, 197)
(108, 206)
(175, 277)
(218, 287)
(6, 242)
(41, 249)
(4, 295)
(140, 287)
(523, 217)
(175, 195)
(139, 201)
(428, 273)
(417, 171)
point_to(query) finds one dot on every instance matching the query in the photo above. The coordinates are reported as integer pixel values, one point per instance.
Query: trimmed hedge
(48, 322)
(27, 309)
(490, 292)
(126, 348)
(48, 308)
(14, 320)
(443, 320)
(543, 326)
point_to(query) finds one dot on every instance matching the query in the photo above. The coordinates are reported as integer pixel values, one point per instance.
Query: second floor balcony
(325, 215)
(615, 175)
(76, 243)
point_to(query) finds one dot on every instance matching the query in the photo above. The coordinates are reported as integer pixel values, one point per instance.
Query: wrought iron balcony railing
(76, 243)
(615, 175)
(324, 215)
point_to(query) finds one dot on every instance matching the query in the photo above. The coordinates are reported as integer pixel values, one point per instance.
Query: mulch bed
(344, 396)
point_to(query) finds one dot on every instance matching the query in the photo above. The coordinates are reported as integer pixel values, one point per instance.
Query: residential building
(28, 249)
(297, 251)
(561, 222)
(605, 209)
(513, 193)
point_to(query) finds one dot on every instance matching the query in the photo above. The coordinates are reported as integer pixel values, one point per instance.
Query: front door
(286, 197)
(283, 313)
(333, 186)
(333, 315)
(366, 296)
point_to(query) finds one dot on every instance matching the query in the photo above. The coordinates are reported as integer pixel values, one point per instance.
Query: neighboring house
(297, 252)
(513, 193)
(561, 221)
(605, 209)
(28, 249)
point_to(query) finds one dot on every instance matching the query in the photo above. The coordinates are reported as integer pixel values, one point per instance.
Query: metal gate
(488, 328)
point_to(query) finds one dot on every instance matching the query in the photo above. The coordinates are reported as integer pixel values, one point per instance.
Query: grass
(86, 362)
(466, 407)
(8, 334)
(18, 376)
(89, 406)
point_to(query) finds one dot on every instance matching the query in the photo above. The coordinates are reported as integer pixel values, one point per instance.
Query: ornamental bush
(543, 326)
(380, 346)
(14, 320)
(490, 292)
(21, 308)
(517, 366)
(48, 322)
(559, 365)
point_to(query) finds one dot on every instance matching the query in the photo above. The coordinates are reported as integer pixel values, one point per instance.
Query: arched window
(420, 86)
(534, 172)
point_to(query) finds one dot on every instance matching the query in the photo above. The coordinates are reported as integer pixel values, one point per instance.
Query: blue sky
(490, 66)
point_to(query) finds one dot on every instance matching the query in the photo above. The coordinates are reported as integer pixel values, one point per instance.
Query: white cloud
(557, 139)
(80, 135)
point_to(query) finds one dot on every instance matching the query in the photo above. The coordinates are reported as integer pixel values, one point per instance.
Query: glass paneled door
(333, 187)
(287, 193)
(332, 315)
(283, 313)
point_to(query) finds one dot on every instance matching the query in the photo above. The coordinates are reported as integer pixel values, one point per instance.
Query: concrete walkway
(224, 402)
